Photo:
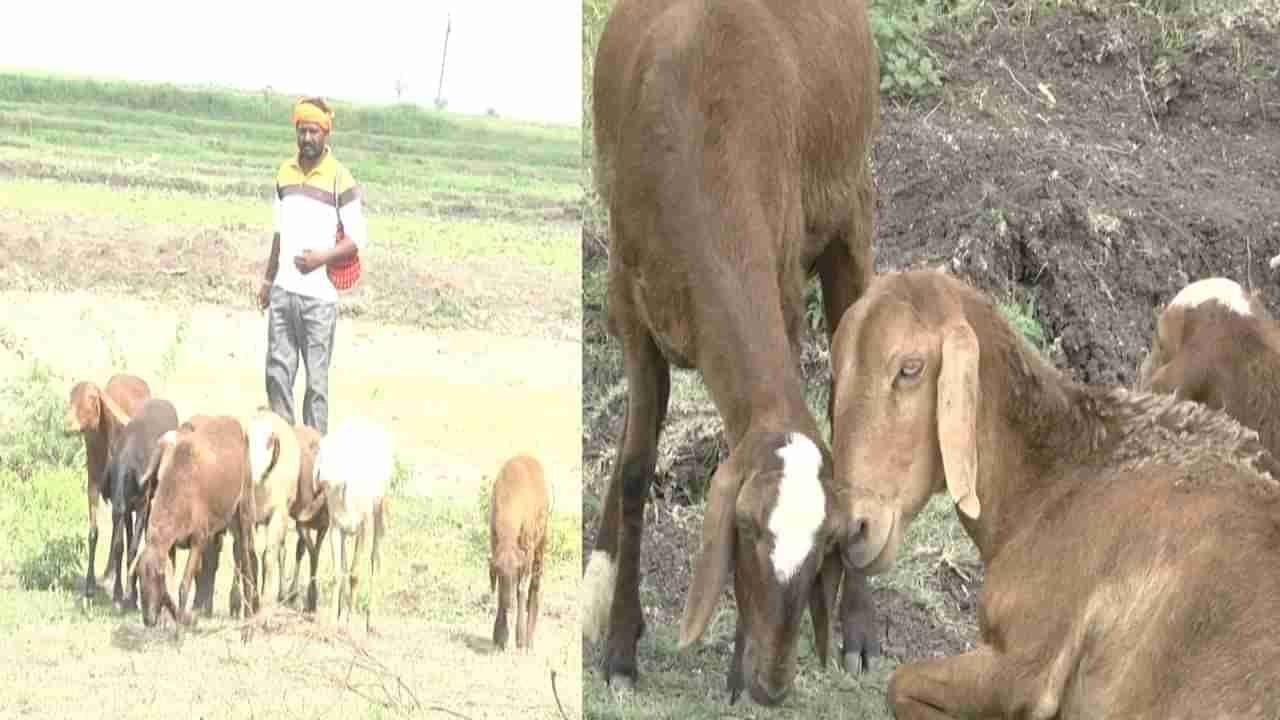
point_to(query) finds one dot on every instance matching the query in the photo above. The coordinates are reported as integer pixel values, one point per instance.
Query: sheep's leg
(193, 566)
(115, 551)
(375, 559)
(844, 268)
(313, 591)
(301, 547)
(354, 571)
(339, 571)
(506, 601)
(275, 547)
(92, 492)
(522, 609)
(737, 679)
(974, 684)
(535, 592)
(617, 550)
(129, 602)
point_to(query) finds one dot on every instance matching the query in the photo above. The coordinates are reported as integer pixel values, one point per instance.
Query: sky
(520, 58)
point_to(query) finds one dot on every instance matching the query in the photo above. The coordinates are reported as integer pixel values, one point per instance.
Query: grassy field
(466, 213)
(134, 222)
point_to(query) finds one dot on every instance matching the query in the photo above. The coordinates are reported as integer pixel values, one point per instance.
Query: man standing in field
(313, 192)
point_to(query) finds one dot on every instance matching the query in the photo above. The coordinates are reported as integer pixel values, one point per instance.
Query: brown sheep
(518, 511)
(732, 143)
(1216, 344)
(1122, 534)
(202, 487)
(309, 512)
(100, 414)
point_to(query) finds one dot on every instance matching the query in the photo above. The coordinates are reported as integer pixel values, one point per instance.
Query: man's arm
(273, 262)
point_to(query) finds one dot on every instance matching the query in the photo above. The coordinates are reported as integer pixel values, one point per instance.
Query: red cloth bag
(344, 274)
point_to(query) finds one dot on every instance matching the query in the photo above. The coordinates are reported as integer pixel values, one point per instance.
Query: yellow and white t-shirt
(306, 218)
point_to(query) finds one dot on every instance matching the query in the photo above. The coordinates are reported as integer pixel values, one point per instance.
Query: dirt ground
(88, 294)
(1068, 163)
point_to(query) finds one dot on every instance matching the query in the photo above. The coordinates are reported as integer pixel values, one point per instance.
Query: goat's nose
(764, 694)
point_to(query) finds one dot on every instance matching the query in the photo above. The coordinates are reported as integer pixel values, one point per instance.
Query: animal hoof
(622, 685)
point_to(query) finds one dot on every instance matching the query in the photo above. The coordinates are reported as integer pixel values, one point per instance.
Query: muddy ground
(1090, 164)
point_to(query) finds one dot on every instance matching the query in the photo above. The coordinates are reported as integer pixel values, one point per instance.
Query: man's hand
(263, 295)
(309, 260)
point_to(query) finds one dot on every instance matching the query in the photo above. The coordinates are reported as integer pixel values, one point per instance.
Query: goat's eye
(910, 369)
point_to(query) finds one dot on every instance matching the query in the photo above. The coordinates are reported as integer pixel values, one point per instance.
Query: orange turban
(306, 111)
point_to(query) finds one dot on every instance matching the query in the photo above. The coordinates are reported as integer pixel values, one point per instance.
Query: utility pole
(440, 87)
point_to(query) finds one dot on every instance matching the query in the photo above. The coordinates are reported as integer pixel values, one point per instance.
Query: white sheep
(353, 468)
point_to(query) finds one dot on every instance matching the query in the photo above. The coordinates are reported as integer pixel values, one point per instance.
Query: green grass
(163, 154)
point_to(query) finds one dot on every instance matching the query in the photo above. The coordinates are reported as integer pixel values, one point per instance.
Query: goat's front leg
(302, 546)
(313, 592)
(858, 622)
(339, 571)
(617, 550)
(273, 553)
(737, 678)
(92, 491)
(193, 566)
(965, 686)
(375, 559)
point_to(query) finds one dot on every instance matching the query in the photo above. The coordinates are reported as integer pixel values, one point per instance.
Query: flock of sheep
(1129, 537)
(186, 485)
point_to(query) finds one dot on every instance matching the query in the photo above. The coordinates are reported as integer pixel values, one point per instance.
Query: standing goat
(1128, 539)
(100, 414)
(202, 488)
(126, 481)
(354, 466)
(732, 142)
(518, 511)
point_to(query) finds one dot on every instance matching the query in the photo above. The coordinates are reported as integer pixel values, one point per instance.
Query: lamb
(203, 486)
(1217, 345)
(125, 481)
(100, 414)
(518, 510)
(732, 144)
(354, 465)
(1152, 513)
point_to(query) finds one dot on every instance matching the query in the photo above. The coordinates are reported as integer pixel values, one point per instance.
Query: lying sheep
(1217, 345)
(354, 466)
(126, 479)
(203, 487)
(1126, 537)
(732, 144)
(100, 414)
(518, 509)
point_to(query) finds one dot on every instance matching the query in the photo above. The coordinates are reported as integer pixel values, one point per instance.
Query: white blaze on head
(800, 507)
(1227, 292)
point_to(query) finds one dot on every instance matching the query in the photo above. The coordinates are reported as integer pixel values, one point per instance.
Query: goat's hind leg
(193, 566)
(535, 592)
(622, 528)
(375, 559)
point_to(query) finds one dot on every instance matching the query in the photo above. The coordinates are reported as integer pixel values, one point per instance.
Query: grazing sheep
(202, 487)
(354, 466)
(732, 143)
(275, 462)
(1128, 539)
(100, 414)
(308, 514)
(1217, 345)
(125, 477)
(518, 509)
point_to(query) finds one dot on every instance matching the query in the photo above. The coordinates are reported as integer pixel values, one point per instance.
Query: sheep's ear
(958, 416)
(822, 601)
(716, 558)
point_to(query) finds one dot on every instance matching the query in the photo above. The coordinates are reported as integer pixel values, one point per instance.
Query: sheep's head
(1196, 304)
(83, 408)
(264, 446)
(905, 361)
(767, 519)
(155, 570)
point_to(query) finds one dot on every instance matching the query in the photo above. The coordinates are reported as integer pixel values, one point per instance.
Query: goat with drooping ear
(732, 143)
(1118, 531)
